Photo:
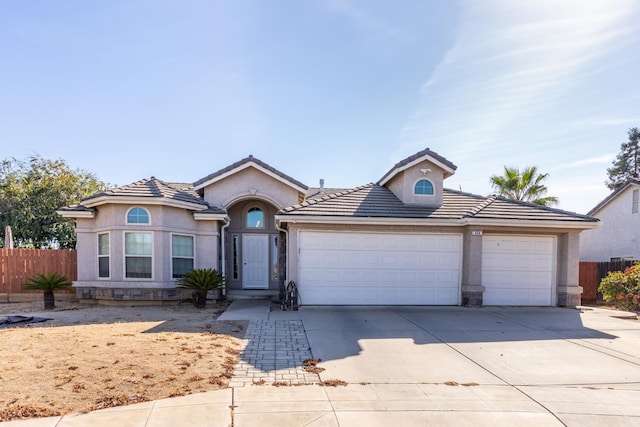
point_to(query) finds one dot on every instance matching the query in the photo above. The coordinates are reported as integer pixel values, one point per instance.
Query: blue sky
(333, 89)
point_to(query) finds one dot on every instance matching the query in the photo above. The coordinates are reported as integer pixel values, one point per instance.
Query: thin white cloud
(510, 61)
(611, 121)
(598, 160)
(363, 19)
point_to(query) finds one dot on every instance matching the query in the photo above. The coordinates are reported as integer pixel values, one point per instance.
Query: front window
(137, 216)
(182, 255)
(255, 218)
(103, 255)
(424, 186)
(138, 254)
(634, 203)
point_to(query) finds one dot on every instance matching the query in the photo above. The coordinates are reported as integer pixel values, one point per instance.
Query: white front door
(255, 261)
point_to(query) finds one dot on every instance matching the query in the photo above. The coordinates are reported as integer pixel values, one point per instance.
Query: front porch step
(269, 294)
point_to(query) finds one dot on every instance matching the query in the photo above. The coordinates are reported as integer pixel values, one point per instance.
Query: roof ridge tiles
(480, 207)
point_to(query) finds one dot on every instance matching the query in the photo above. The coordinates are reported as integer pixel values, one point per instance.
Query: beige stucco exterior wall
(618, 234)
(402, 185)
(164, 221)
(249, 183)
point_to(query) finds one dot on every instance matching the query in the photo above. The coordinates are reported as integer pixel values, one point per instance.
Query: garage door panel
(518, 270)
(512, 297)
(369, 268)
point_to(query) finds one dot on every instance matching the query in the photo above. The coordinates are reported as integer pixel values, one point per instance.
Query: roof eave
(453, 222)
(76, 214)
(533, 223)
(319, 219)
(201, 216)
(102, 200)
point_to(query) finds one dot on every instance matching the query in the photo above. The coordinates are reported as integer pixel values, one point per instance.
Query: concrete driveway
(552, 366)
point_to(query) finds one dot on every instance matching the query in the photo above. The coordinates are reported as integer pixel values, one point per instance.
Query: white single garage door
(518, 270)
(343, 268)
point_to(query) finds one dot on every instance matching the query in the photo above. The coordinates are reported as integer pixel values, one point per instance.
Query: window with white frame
(137, 216)
(103, 256)
(634, 202)
(182, 255)
(138, 255)
(424, 186)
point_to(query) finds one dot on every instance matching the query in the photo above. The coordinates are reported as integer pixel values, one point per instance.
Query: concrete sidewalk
(447, 343)
(312, 405)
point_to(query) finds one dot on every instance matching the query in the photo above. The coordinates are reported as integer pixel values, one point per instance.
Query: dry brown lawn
(93, 357)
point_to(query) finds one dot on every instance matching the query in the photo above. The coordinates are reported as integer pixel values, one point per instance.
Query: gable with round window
(137, 216)
(423, 187)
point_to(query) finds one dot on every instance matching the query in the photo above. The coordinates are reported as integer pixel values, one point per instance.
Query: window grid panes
(424, 186)
(103, 255)
(255, 218)
(634, 205)
(138, 216)
(138, 255)
(182, 255)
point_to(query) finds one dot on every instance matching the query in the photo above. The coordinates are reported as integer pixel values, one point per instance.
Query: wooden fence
(18, 265)
(591, 273)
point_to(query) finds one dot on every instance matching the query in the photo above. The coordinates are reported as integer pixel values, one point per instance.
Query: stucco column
(569, 289)
(472, 288)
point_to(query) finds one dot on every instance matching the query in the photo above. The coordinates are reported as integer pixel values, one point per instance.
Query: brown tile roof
(154, 188)
(247, 160)
(375, 201)
(314, 192)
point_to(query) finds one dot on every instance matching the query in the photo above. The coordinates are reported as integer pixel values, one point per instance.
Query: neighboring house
(403, 240)
(617, 237)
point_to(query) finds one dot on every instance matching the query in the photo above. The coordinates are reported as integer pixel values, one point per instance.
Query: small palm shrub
(622, 288)
(47, 283)
(201, 281)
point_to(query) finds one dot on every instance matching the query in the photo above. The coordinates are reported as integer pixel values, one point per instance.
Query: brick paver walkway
(273, 352)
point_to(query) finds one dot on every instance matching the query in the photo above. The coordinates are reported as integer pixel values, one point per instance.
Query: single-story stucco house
(402, 240)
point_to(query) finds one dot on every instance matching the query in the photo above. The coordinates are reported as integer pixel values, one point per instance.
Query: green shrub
(201, 280)
(622, 288)
(47, 283)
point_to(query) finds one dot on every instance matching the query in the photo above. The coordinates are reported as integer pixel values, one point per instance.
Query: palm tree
(48, 283)
(201, 280)
(526, 186)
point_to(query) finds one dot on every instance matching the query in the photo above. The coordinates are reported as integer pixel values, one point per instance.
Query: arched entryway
(252, 246)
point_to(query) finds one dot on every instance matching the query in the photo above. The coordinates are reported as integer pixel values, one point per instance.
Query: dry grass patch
(100, 357)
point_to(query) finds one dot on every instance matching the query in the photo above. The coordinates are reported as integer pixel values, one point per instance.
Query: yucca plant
(201, 280)
(47, 283)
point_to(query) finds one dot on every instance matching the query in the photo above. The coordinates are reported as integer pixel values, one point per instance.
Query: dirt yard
(93, 357)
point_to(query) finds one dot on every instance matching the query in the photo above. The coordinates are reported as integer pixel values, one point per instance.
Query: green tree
(627, 163)
(30, 193)
(526, 186)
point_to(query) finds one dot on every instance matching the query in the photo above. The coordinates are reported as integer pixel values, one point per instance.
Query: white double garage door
(347, 268)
